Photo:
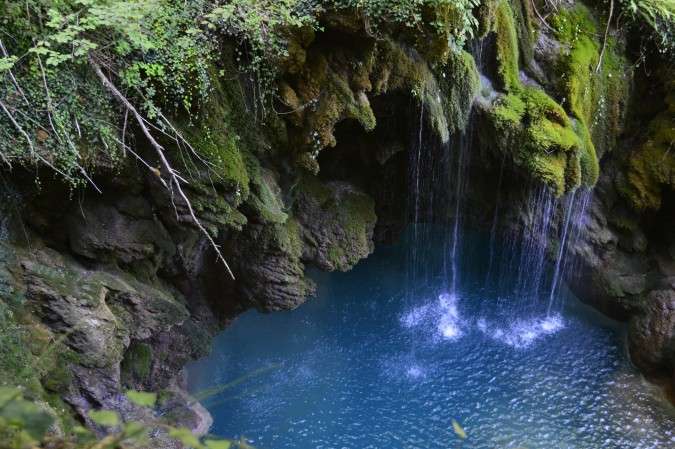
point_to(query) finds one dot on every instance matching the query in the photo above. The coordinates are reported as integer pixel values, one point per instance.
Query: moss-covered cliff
(307, 164)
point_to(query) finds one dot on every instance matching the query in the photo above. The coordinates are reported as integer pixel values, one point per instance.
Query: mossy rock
(137, 363)
(539, 136)
(593, 91)
(506, 34)
(337, 223)
(460, 81)
(338, 83)
(553, 141)
(651, 167)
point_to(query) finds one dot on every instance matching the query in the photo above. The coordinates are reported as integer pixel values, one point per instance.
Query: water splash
(521, 333)
(440, 319)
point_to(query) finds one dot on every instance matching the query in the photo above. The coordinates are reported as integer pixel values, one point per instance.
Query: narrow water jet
(569, 208)
(493, 227)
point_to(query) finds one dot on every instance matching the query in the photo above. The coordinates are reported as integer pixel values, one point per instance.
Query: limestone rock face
(130, 234)
(99, 313)
(651, 336)
(337, 224)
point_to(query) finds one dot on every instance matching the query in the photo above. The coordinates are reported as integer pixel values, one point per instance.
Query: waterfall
(541, 206)
(461, 183)
(575, 216)
(546, 219)
(493, 228)
(415, 168)
(562, 249)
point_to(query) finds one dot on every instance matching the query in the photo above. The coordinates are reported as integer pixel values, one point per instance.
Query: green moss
(651, 168)
(459, 82)
(485, 14)
(509, 111)
(15, 355)
(311, 186)
(398, 68)
(137, 363)
(358, 213)
(523, 15)
(338, 222)
(593, 97)
(355, 215)
(218, 135)
(507, 46)
(540, 136)
(290, 237)
(557, 144)
(265, 198)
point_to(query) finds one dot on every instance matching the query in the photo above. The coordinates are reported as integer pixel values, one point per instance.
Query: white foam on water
(416, 316)
(443, 315)
(522, 333)
(450, 324)
(414, 372)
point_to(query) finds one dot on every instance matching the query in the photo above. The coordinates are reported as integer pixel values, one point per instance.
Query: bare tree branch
(536, 11)
(30, 143)
(11, 75)
(174, 178)
(604, 40)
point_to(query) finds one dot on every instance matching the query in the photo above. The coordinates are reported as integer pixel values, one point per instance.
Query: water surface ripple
(370, 364)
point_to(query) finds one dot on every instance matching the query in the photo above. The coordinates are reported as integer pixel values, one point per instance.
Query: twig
(49, 98)
(11, 75)
(604, 40)
(174, 178)
(30, 143)
(536, 11)
(124, 131)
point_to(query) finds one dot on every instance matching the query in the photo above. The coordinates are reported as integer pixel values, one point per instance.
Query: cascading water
(576, 205)
(546, 220)
(460, 180)
(493, 228)
(534, 241)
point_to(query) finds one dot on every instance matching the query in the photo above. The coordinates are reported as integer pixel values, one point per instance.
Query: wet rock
(651, 337)
(337, 223)
(129, 235)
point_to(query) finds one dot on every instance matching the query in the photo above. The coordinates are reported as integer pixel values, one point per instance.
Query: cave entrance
(402, 164)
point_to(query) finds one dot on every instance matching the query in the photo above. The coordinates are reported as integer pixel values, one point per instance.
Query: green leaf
(142, 399)
(105, 418)
(8, 394)
(185, 436)
(27, 416)
(7, 63)
(218, 444)
(133, 428)
(458, 429)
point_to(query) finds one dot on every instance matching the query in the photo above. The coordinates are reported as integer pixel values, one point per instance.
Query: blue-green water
(380, 359)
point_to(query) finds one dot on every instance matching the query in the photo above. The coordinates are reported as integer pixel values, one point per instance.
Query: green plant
(659, 16)
(26, 425)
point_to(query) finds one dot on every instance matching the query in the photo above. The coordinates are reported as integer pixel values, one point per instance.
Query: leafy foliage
(659, 16)
(26, 424)
(162, 53)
